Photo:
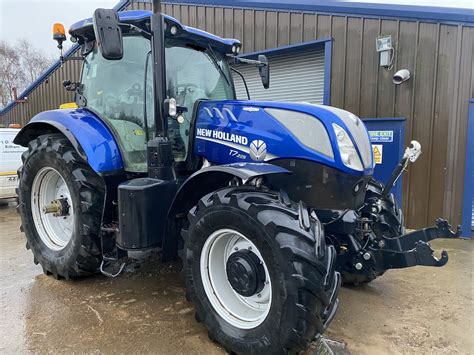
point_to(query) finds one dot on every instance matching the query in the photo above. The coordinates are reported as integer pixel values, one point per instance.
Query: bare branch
(20, 65)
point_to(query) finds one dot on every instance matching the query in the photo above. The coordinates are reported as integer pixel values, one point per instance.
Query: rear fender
(89, 135)
(200, 184)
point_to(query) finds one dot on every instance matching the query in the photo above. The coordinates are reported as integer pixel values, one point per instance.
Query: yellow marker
(378, 151)
(138, 132)
(68, 105)
(8, 173)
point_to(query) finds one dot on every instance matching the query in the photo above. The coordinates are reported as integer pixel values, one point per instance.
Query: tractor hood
(246, 131)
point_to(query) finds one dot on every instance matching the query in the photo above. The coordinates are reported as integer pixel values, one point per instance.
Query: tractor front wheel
(259, 272)
(61, 200)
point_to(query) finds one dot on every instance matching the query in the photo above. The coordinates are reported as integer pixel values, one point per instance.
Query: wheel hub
(52, 208)
(245, 273)
(58, 208)
(235, 278)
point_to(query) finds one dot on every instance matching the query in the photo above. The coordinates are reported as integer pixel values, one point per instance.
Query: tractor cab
(121, 91)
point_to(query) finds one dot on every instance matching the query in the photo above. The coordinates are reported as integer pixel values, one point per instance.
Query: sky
(33, 19)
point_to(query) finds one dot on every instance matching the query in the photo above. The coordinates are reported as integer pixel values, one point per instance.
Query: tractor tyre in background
(65, 240)
(258, 271)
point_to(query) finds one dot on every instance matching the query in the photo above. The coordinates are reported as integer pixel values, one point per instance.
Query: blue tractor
(270, 206)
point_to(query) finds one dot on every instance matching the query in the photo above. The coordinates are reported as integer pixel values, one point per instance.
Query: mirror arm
(243, 79)
(66, 59)
(131, 27)
(248, 61)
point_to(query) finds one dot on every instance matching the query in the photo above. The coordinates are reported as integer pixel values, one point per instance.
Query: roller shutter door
(297, 77)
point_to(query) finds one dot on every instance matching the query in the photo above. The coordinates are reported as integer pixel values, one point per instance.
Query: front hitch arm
(413, 248)
(442, 229)
(422, 255)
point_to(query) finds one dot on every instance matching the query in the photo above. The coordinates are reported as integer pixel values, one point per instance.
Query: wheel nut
(358, 266)
(366, 256)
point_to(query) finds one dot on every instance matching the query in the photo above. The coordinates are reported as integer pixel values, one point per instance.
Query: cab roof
(141, 18)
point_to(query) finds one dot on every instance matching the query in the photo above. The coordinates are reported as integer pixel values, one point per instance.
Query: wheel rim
(238, 310)
(54, 228)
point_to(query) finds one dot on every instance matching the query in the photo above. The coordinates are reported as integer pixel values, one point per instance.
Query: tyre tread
(91, 190)
(292, 230)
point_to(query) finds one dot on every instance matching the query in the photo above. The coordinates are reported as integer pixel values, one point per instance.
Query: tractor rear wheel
(259, 272)
(61, 201)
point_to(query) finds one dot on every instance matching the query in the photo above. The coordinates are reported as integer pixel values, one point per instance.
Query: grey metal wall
(297, 77)
(434, 101)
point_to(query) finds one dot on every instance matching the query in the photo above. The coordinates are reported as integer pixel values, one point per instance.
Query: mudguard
(244, 171)
(89, 135)
(200, 184)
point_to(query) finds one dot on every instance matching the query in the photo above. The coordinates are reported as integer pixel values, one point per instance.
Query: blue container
(387, 136)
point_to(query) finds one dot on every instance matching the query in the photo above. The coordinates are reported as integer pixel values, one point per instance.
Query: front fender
(243, 171)
(89, 135)
(201, 183)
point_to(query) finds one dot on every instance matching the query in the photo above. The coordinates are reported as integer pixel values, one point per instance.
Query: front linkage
(372, 239)
(363, 252)
(411, 249)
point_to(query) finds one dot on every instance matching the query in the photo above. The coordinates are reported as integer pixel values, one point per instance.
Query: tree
(10, 72)
(33, 61)
(20, 65)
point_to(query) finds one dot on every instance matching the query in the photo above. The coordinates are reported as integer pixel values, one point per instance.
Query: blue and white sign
(387, 136)
(381, 136)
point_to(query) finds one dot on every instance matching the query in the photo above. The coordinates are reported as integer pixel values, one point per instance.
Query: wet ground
(418, 310)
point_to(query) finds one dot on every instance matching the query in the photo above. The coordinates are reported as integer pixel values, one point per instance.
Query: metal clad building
(329, 54)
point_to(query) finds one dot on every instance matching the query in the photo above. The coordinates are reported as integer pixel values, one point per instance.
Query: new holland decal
(257, 150)
(224, 136)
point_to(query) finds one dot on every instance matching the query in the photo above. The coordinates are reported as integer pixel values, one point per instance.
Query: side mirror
(264, 70)
(108, 34)
(59, 35)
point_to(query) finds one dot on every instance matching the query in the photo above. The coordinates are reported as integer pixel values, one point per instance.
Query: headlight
(306, 128)
(349, 155)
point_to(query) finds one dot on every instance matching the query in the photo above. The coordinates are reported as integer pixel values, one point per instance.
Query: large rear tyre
(259, 272)
(61, 201)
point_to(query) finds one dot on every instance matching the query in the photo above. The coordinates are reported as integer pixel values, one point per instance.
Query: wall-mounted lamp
(386, 52)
